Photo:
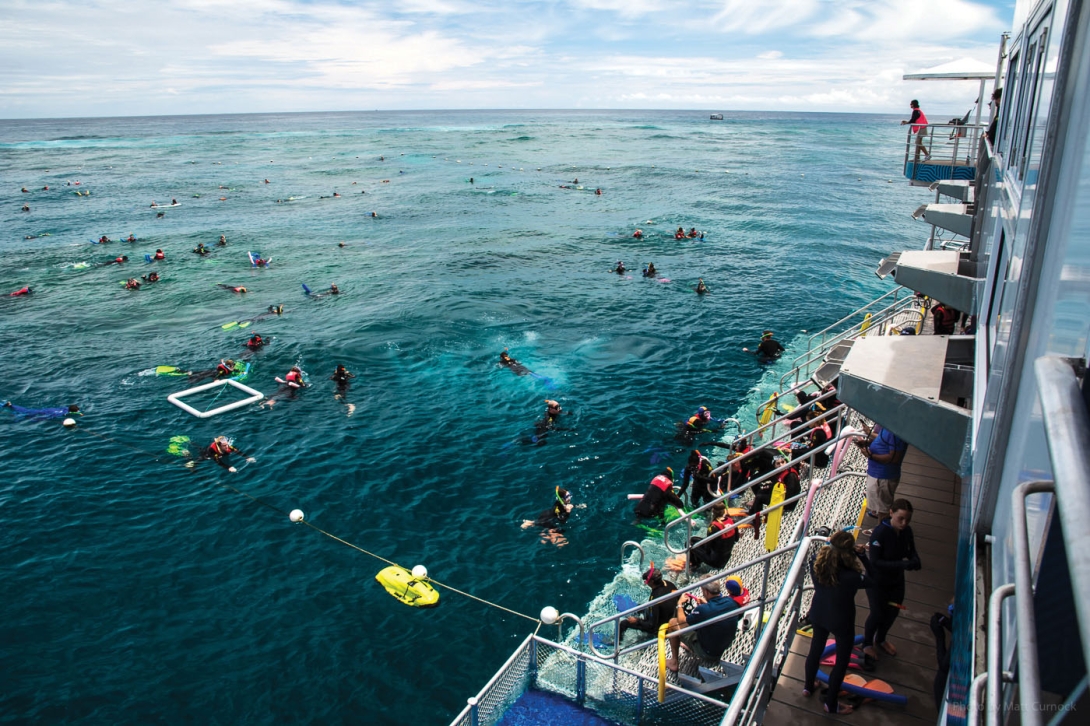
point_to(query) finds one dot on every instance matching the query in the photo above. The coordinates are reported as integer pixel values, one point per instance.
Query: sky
(68, 58)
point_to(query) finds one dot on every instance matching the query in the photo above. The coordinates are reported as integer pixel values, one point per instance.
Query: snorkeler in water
(132, 284)
(619, 268)
(43, 413)
(150, 277)
(509, 362)
(256, 342)
(200, 249)
(225, 369)
(649, 270)
(159, 255)
(222, 241)
(25, 290)
(232, 288)
(115, 261)
(551, 520)
(701, 288)
(343, 379)
(769, 349)
(220, 451)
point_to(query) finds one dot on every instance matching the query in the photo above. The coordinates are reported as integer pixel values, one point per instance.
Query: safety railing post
(533, 661)
(474, 712)
(581, 680)
(639, 700)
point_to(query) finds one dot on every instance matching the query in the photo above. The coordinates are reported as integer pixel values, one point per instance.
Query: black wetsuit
(891, 553)
(651, 619)
(716, 553)
(769, 348)
(654, 502)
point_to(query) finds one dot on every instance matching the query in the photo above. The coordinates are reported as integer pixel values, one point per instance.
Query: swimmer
(115, 261)
(222, 241)
(638, 234)
(45, 188)
(219, 451)
(649, 270)
(340, 244)
(200, 249)
(24, 190)
(680, 234)
(226, 368)
(174, 202)
(20, 292)
(276, 309)
(374, 216)
(695, 425)
(160, 215)
(150, 277)
(336, 195)
(130, 238)
(575, 180)
(598, 192)
(509, 362)
(104, 239)
(43, 413)
(159, 255)
(701, 288)
(692, 233)
(293, 379)
(342, 377)
(267, 181)
(551, 520)
(256, 342)
(769, 349)
(619, 269)
(232, 289)
(132, 284)
(333, 289)
(470, 180)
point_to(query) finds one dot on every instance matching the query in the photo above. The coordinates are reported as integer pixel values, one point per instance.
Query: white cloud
(67, 57)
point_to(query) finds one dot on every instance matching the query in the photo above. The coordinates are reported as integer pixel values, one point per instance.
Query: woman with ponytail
(839, 571)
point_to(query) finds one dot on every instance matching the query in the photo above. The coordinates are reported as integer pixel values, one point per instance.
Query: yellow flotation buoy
(766, 411)
(408, 588)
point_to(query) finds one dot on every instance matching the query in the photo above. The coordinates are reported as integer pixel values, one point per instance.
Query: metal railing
(1067, 431)
(824, 334)
(754, 688)
(633, 694)
(945, 144)
(882, 322)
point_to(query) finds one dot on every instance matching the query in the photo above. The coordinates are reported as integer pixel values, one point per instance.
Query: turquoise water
(139, 590)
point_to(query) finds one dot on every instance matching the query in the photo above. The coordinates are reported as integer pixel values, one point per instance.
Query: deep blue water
(137, 590)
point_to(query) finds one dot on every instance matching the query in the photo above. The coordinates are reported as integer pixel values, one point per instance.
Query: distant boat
(717, 117)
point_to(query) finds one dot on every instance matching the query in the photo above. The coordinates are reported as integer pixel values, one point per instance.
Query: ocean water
(138, 590)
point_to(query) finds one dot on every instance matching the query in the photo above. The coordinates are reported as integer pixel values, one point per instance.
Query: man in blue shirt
(709, 642)
(884, 452)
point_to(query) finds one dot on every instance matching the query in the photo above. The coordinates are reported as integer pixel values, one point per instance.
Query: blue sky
(118, 57)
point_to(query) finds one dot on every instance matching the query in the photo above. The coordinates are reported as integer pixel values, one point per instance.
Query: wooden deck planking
(935, 495)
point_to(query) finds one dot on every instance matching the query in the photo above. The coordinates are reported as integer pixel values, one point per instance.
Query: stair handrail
(758, 657)
(895, 292)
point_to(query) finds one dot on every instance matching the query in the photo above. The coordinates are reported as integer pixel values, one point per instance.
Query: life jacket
(695, 422)
(293, 377)
(921, 122)
(215, 450)
(662, 483)
(159, 256)
(221, 368)
(722, 526)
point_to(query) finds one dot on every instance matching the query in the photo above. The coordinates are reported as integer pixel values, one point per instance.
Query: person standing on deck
(892, 551)
(919, 127)
(945, 318)
(884, 452)
(839, 571)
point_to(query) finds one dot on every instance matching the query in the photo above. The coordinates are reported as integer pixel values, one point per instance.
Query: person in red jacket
(919, 127)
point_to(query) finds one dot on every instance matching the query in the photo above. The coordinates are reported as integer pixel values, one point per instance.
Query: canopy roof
(964, 69)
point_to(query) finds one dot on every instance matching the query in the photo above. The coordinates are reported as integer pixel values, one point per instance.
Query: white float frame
(254, 397)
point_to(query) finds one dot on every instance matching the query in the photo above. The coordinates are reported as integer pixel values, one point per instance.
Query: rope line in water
(318, 529)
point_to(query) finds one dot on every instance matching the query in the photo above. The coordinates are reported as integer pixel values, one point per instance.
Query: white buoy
(296, 515)
(69, 423)
(420, 572)
(549, 614)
